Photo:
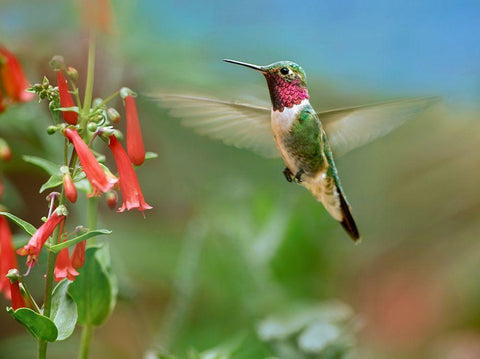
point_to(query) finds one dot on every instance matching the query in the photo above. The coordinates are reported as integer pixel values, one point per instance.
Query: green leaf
(27, 227)
(64, 310)
(93, 290)
(37, 325)
(48, 166)
(97, 232)
(53, 181)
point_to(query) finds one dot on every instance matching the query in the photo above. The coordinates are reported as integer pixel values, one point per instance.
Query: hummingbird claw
(298, 176)
(288, 174)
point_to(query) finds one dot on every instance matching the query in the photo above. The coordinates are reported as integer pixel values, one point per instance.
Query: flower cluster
(80, 129)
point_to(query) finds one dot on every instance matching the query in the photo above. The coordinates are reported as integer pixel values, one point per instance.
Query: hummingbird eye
(284, 70)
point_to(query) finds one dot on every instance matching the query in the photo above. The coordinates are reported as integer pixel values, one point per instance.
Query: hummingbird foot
(288, 174)
(298, 176)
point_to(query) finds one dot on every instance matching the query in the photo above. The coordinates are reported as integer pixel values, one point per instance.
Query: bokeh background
(232, 256)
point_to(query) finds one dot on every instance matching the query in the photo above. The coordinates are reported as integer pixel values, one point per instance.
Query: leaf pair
(64, 317)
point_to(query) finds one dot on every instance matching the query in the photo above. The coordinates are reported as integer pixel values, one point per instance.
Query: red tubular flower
(13, 79)
(66, 99)
(69, 187)
(78, 255)
(129, 186)
(8, 260)
(17, 299)
(35, 244)
(63, 267)
(135, 147)
(100, 181)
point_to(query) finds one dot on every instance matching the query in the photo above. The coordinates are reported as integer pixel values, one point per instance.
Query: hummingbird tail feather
(325, 190)
(348, 223)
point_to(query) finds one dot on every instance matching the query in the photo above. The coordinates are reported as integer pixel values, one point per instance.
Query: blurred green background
(234, 256)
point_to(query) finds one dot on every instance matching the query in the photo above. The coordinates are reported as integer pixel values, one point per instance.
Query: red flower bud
(135, 146)
(66, 99)
(100, 181)
(35, 244)
(5, 151)
(131, 193)
(8, 260)
(112, 199)
(13, 79)
(69, 187)
(78, 255)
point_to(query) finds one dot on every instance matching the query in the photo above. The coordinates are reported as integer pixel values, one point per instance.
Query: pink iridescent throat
(285, 94)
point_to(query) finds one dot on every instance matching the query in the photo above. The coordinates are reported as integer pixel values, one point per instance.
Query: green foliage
(64, 310)
(27, 227)
(94, 290)
(48, 166)
(83, 237)
(37, 325)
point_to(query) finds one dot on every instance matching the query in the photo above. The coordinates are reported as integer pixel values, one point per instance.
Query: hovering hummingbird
(306, 140)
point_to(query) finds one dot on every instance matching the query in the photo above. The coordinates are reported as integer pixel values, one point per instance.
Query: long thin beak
(252, 66)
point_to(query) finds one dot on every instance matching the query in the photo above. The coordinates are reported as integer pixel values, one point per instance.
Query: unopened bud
(113, 115)
(72, 73)
(111, 199)
(92, 126)
(96, 102)
(69, 187)
(5, 152)
(57, 63)
(52, 129)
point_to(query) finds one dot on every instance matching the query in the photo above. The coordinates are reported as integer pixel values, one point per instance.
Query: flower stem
(87, 333)
(42, 344)
(109, 98)
(47, 305)
(87, 102)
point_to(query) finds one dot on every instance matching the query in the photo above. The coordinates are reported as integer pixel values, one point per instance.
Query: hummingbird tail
(326, 189)
(348, 223)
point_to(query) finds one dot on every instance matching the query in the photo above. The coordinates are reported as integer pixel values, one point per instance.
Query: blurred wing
(349, 128)
(238, 124)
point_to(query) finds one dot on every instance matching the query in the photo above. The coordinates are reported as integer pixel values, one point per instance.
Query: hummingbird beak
(252, 66)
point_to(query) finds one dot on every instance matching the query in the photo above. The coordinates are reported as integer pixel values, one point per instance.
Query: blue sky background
(395, 48)
(400, 47)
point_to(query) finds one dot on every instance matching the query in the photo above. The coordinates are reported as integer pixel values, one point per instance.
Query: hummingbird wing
(238, 124)
(349, 128)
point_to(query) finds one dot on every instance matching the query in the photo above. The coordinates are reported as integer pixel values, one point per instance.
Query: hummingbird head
(286, 81)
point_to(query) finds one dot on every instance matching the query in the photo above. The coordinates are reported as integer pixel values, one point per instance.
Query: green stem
(42, 349)
(47, 305)
(87, 102)
(42, 345)
(87, 333)
(92, 211)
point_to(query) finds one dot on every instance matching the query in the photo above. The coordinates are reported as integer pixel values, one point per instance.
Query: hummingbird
(306, 140)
